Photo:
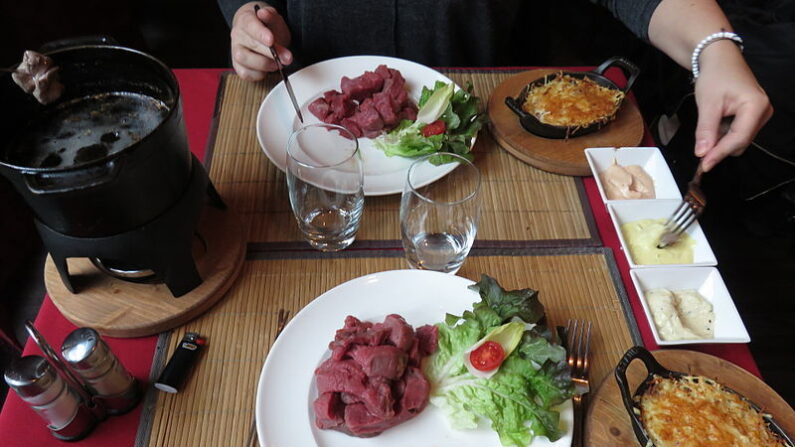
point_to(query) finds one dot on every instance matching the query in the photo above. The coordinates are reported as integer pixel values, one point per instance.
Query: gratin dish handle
(635, 352)
(630, 70)
(512, 104)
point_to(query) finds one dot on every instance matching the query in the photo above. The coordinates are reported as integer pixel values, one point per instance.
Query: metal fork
(689, 210)
(281, 321)
(578, 343)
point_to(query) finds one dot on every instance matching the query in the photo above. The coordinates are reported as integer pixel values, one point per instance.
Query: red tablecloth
(21, 427)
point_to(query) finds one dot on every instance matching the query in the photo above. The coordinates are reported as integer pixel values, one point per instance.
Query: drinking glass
(325, 180)
(438, 220)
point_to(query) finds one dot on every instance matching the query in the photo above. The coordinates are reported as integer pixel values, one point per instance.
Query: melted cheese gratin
(696, 411)
(573, 102)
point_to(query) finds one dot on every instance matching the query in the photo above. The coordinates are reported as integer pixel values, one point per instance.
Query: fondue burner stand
(163, 245)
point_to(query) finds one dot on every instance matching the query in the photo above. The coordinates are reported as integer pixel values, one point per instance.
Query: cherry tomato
(487, 356)
(434, 128)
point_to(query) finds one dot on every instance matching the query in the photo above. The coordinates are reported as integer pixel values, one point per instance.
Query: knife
(284, 77)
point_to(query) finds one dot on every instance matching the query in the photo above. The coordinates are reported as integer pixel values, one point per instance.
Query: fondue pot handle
(60, 182)
(631, 71)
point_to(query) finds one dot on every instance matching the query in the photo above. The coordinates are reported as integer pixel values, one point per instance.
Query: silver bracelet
(722, 35)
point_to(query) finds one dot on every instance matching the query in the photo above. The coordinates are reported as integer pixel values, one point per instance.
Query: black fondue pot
(109, 155)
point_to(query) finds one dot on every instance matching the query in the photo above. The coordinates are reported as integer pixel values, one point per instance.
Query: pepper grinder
(40, 386)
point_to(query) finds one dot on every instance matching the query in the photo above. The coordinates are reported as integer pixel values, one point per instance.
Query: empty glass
(438, 221)
(325, 181)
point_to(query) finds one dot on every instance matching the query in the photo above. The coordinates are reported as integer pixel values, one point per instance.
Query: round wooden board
(564, 156)
(608, 424)
(119, 308)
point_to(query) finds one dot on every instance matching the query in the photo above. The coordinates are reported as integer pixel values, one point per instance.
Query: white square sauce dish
(625, 182)
(639, 223)
(665, 320)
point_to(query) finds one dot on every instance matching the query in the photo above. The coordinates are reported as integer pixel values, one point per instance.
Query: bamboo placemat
(216, 405)
(522, 206)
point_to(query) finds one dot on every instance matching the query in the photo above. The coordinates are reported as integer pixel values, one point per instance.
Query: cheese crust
(573, 102)
(696, 411)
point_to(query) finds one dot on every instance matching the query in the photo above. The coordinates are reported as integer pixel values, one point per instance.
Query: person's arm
(229, 8)
(252, 34)
(726, 86)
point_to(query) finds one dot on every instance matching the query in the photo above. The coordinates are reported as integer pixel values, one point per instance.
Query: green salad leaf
(519, 399)
(462, 118)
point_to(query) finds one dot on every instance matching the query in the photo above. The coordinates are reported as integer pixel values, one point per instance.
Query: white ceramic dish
(286, 387)
(649, 158)
(624, 211)
(729, 327)
(276, 119)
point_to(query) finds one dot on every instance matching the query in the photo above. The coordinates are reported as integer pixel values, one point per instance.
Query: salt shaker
(40, 386)
(110, 384)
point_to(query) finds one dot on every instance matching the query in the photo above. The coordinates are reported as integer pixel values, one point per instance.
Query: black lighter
(179, 366)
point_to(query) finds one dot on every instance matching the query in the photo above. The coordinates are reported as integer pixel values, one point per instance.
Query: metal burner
(125, 271)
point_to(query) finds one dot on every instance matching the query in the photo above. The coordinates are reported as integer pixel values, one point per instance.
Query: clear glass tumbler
(439, 220)
(325, 180)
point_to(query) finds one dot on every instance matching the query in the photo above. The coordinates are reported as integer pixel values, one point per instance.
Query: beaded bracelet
(722, 35)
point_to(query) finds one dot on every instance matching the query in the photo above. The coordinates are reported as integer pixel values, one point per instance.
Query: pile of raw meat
(369, 104)
(373, 379)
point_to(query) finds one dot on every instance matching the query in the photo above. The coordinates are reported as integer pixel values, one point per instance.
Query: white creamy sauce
(681, 314)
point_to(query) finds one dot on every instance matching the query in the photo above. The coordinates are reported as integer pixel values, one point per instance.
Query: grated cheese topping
(696, 411)
(573, 102)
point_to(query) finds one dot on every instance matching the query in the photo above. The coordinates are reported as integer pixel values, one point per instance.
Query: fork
(578, 341)
(281, 320)
(689, 210)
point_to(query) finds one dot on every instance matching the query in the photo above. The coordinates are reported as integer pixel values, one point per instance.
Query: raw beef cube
(320, 108)
(344, 376)
(384, 361)
(363, 86)
(387, 109)
(353, 127)
(328, 410)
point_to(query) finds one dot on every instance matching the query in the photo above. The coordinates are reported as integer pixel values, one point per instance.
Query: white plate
(624, 211)
(649, 158)
(286, 386)
(276, 119)
(729, 327)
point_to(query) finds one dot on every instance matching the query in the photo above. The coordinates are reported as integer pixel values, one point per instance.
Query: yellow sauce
(642, 237)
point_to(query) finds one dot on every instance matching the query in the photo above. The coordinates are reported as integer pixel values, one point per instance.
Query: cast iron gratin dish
(533, 125)
(655, 369)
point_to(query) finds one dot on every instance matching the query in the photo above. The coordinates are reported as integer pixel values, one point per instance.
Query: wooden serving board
(118, 308)
(608, 423)
(561, 156)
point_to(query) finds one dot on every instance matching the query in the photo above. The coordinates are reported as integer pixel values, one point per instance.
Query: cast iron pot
(117, 192)
(655, 369)
(535, 126)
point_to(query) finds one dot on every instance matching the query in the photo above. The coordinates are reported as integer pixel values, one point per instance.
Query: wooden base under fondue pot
(119, 308)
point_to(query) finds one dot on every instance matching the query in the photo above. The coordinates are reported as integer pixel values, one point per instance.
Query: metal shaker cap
(30, 375)
(84, 350)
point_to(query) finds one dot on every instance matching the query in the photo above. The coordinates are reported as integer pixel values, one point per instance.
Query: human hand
(727, 87)
(252, 35)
